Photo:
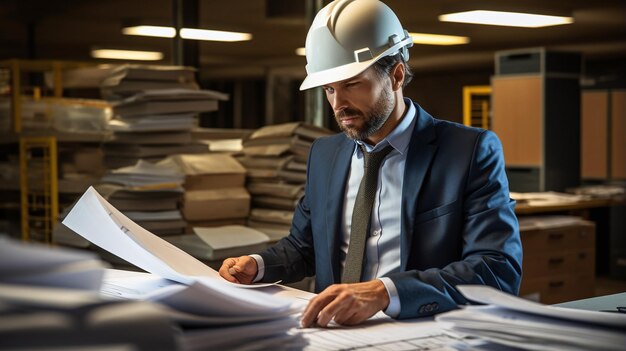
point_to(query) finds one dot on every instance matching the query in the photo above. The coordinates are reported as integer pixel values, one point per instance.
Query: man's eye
(329, 90)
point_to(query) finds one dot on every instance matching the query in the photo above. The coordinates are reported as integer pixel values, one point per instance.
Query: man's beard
(373, 120)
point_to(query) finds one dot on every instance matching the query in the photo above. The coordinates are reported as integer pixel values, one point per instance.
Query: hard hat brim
(335, 74)
(349, 70)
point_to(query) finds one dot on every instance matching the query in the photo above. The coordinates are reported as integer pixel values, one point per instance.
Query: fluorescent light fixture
(499, 18)
(186, 33)
(150, 31)
(437, 39)
(300, 52)
(127, 54)
(213, 35)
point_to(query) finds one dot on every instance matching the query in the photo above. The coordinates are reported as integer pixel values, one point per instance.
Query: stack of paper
(601, 191)
(144, 174)
(218, 243)
(215, 192)
(143, 177)
(544, 222)
(275, 159)
(128, 80)
(44, 318)
(37, 265)
(49, 299)
(548, 198)
(97, 221)
(515, 322)
(89, 77)
(155, 108)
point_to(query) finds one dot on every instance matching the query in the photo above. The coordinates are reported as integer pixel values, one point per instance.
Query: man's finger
(336, 308)
(225, 270)
(313, 309)
(234, 270)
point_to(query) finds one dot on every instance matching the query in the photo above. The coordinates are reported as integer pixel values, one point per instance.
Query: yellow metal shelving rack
(476, 106)
(38, 187)
(38, 154)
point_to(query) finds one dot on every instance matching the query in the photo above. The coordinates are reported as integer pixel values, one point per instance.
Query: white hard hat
(348, 36)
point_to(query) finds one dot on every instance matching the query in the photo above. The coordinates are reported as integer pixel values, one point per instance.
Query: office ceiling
(68, 29)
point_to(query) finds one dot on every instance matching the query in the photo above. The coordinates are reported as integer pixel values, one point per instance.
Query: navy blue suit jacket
(458, 222)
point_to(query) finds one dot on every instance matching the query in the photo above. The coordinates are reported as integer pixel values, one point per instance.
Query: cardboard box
(215, 223)
(211, 171)
(205, 205)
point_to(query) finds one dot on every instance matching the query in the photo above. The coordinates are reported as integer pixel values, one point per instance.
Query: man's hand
(347, 304)
(240, 270)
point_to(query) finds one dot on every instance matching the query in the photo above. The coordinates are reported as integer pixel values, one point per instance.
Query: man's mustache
(348, 112)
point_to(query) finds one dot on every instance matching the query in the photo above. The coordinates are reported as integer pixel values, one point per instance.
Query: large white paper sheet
(187, 304)
(102, 224)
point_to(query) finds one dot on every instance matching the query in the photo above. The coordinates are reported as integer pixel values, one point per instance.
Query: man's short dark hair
(384, 66)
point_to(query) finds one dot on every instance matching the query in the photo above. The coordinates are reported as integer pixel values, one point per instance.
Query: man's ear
(397, 76)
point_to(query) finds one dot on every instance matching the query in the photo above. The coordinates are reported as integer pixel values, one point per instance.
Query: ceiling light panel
(213, 35)
(127, 54)
(500, 18)
(438, 39)
(150, 31)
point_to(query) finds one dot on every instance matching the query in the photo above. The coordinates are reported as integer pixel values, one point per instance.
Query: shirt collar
(400, 136)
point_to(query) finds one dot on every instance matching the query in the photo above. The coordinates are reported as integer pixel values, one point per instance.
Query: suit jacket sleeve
(491, 252)
(293, 258)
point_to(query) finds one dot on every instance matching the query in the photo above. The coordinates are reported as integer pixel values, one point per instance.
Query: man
(398, 236)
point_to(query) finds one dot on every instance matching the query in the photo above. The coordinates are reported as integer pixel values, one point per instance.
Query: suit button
(376, 232)
(429, 308)
(421, 309)
(435, 306)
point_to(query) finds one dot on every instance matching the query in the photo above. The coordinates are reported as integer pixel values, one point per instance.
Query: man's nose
(338, 101)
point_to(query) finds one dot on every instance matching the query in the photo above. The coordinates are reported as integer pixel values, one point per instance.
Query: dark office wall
(441, 93)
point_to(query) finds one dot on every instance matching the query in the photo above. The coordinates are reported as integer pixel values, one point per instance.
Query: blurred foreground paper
(514, 322)
(99, 222)
(40, 265)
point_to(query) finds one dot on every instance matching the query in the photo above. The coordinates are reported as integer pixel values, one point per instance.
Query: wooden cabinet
(603, 134)
(618, 134)
(518, 123)
(536, 114)
(559, 263)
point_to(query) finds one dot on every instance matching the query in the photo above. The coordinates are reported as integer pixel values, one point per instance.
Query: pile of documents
(515, 322)
(547, 198)
(155, 108)
(600, 191)
(152, 180)
(35, 265)
(127, 80)
(69, 115)
(192, 292)
(212, 245)
(215, 192)
(275, 159)
(49, 299)
(222, 140)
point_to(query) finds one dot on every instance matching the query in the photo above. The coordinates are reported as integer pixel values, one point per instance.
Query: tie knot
(374, 159)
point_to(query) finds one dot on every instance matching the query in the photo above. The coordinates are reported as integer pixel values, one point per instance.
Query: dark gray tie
(361, 214)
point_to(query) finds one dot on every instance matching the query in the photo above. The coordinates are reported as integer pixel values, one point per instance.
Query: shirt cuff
(261, 268)
(393, 310)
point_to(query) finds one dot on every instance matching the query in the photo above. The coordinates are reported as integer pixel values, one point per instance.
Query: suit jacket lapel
(419, 156)
(335, 190)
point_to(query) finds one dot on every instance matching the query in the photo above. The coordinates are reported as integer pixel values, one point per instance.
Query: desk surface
(568, 206)
(600, 303)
